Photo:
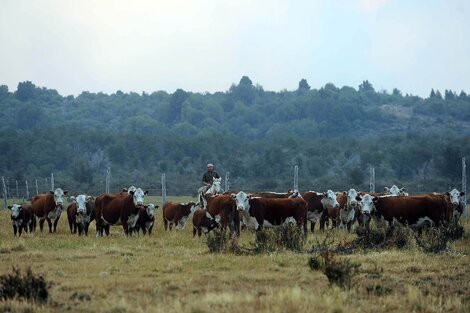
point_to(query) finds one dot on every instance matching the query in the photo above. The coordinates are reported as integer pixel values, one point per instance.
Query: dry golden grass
(172, 272)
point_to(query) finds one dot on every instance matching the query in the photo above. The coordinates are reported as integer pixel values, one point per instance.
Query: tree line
(334, 135)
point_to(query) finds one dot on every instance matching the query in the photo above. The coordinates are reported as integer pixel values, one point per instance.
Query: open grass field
(174, 272)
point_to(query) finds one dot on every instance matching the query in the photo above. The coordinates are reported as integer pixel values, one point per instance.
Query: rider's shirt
(208, 177)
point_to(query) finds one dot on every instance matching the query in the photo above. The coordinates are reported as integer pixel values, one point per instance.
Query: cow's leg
(49, 223)
(348, 225)
(170, 225)
(86, 228)
(20, 230)
(323, 219)
(71, 226)
(312, 227)
(56, 221)
(165, 224)
(14, 230)
(41, 224)
(199, 231)
(125, 226)
(194, 231)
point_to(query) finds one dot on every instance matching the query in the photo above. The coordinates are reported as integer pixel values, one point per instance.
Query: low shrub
(29, 287)
(217, 240)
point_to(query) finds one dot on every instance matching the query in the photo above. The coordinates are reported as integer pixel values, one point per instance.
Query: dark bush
(265, 241)
(217, 240)
(288, 236)
(29, 287)
(453, 230)
(433, 240)
(395, 236)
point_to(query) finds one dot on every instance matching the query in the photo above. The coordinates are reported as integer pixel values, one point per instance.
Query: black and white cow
(22, 217)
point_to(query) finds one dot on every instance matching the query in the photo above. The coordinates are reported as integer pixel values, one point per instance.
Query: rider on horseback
(209, 176)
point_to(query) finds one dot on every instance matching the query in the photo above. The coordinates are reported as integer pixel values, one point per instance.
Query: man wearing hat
(209, 176)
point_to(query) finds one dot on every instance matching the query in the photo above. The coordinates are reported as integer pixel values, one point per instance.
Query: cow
(457, 199)
(347, 213)
(330, 208)
(224, 206)
(80, 213)
(48, 207)
(434, 209)
(118, 209)
(146, 219)
(332, 211)
(395, 191)
(177, 214)
(260, 212)
(203, 222)
(22, 217)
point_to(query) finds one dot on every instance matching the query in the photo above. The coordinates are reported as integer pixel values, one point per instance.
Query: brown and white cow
(333, 212)
(260, 212)
(203, 222)
(330, 208)
(223, 207)
(347, 213)
(146, 219)
(48, 207)
(434, 209)
(80, 213)
(118, 209)
(22, 217)
(177, 214)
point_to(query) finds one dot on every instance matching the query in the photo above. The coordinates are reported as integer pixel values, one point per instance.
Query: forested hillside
(333, 134)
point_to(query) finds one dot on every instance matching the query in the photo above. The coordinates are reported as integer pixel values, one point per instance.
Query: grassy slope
(172, 272)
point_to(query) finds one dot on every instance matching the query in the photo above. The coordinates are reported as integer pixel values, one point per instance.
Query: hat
(210, 165)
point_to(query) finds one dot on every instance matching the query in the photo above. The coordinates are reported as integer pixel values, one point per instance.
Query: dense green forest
(333, 134)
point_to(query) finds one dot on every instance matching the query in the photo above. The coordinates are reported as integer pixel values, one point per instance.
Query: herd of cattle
(234, 209)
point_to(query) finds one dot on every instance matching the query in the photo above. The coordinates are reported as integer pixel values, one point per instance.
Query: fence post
(27, 191)
(372, 179)
(52, 181)
(37, 189)
(108, 179)
(17, 193)
(163, 189)
(464, 186)
(227, 184)
(296, 178)
(5, 194)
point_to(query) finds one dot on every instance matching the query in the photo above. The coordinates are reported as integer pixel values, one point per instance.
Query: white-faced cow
(22, 217)
(260, 212)
(48, 207)
(118, 209)
(146, 219)
(80, 213)
(347, 213)
(432, 209)
(330, 208)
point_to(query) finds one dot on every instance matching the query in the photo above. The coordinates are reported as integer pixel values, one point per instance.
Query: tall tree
(303, 84)
(176, 102)
(25, 91)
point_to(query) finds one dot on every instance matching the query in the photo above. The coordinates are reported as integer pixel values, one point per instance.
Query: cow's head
(80, 201)
(130, 189)
(242, 200)
(367, 203)
(192, 207)
(457, 199)
(395, 191)
(351, 200)
(138, 196)
(217, 185)
(151, 209)
(329, 200)
(15, 210)
(59, 196)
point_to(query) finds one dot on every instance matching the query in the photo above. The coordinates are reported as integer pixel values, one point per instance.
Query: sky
(205, 46)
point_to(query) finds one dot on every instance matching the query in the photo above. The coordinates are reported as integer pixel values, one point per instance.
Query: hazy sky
(202, 45)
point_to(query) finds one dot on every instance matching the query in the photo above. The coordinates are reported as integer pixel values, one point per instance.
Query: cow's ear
(234, 196)
(375, 199)
(124, 189)
(325, 195)
(146, 192)
(9, 207)
(249, 196)
(131, 192)
(51, 191)
(386, 189)
(462, 193)
(447, 193)
(402, 189)
(66, 192)
(345, 193)
(72, 198)
(358, 198)
(88, 198)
